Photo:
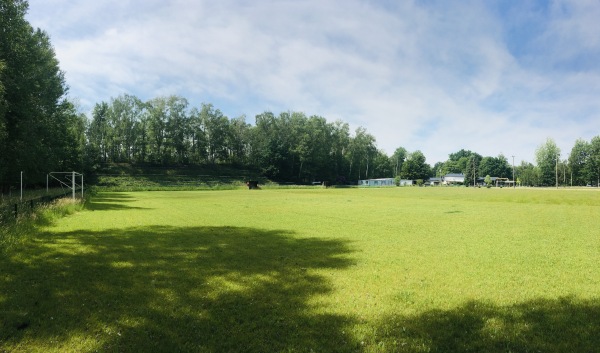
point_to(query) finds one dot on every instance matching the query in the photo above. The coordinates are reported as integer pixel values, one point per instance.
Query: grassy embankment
(323, 270)
(126, 177)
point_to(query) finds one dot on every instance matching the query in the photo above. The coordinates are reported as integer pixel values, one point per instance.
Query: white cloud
(436, 77)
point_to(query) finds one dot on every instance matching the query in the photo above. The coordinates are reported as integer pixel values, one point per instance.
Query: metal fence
(10, 211)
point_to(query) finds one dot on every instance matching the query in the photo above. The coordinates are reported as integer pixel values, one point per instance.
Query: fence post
(73, 185)
(16, 210)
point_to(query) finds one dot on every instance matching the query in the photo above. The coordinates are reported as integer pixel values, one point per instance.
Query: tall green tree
(98, 131)
(156, 122)
(595, 159)
(33, 112)
(124, 116)
(397, 159)
(547, 157)
(415, 167)
(238, 141)
(340, 141)
(3, 132)
(177, 130)
(496, 167)
(272, 150)
(382, 165)
(528, 173)
(216, 130)
(361, 152)
(581, 163)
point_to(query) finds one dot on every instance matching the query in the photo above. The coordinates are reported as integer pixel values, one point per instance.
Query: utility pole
(514, 182)
(474, 178)
(556, 173)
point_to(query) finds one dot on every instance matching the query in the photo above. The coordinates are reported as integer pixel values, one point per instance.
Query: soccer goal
(70, 180)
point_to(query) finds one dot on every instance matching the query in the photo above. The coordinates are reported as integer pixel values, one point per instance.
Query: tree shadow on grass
(219, 289)
(110, 201)
(563, 325)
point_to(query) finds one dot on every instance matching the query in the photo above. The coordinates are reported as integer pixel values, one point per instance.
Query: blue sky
(437, 76)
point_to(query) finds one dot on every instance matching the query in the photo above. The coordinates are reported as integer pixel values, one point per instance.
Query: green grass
(301, 270)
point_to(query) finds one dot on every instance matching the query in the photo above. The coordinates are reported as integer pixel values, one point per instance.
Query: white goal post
(71, 180)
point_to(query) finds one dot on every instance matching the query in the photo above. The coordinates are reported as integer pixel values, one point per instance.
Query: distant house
(434, 181)
(496, 181)
(453, 178)
(377, 182)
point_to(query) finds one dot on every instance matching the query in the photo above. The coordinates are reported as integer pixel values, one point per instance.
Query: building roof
(455, 175)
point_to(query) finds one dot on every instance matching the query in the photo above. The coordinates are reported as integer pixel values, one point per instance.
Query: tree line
(289, 146)
(41, 130)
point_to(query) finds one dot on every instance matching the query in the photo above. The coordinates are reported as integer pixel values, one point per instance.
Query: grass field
(311, 270)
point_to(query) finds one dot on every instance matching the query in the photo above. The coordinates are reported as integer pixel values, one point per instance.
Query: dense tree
(98, 131)
(238, 141)
(415, 167)
(397, 159)
(456, 156)
(581, 163)
(496, 167)
(382, 165)
(547, 156)
(528, 174)
(340, 141)
(471, 169)
(36, 120)
(460, 162)
(361, 152)
(123, 118)
(595, 159)
(438, 169)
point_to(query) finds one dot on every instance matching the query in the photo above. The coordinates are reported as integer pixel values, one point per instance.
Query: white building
(377, 182)
(453, 178)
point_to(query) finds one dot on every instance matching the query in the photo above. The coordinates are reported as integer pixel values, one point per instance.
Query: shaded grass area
(214, 289)
(543, 325)
(304, 270)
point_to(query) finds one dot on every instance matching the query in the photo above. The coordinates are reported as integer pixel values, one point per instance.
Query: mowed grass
(311, 270)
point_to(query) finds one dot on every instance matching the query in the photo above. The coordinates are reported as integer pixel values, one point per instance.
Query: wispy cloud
(435, 76)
